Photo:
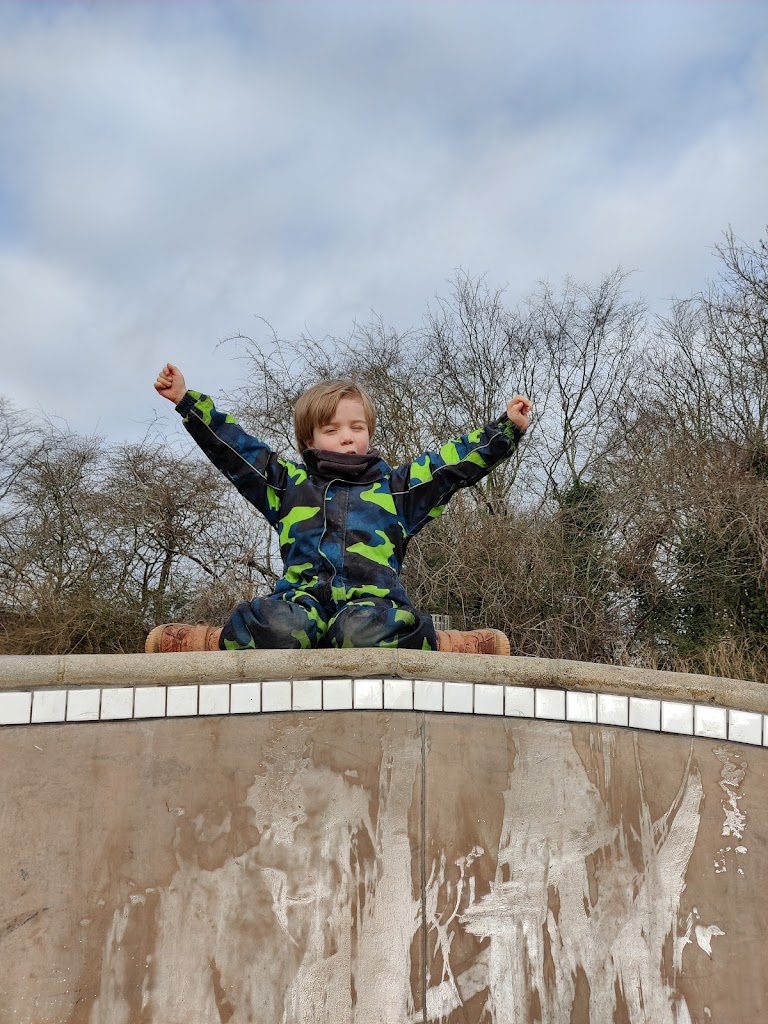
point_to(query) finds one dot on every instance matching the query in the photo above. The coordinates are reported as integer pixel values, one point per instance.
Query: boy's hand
(170, 383)
(519, 411)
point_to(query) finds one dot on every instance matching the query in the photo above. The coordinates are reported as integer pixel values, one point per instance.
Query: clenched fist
(170, 383)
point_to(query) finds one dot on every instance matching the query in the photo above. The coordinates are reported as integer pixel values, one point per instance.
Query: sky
(173, 173)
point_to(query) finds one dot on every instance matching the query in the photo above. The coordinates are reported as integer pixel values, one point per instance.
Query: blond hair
(317, 405)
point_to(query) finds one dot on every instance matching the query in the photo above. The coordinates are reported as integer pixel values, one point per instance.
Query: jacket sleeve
(255, 470)
(425, 486)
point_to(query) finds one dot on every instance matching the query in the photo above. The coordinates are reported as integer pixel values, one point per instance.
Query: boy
(344, 518)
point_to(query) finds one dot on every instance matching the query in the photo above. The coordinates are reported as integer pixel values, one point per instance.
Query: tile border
(71, 706)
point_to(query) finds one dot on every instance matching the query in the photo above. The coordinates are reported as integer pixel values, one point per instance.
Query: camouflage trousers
(325, 616)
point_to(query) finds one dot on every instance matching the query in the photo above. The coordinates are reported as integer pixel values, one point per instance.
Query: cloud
(169, 172)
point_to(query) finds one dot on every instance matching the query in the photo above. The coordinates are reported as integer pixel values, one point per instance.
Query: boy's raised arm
(429, 482)
(250, 464)
(170, 383)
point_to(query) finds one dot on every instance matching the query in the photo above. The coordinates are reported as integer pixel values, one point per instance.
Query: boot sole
(502, 644)
(152, 643)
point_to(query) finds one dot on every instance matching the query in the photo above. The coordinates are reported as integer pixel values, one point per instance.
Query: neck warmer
(333, 465)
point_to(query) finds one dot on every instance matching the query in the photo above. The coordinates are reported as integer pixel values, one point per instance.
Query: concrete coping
(31, 672)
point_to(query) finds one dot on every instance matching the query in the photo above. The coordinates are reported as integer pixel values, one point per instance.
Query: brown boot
(177, 637)
(473, 641)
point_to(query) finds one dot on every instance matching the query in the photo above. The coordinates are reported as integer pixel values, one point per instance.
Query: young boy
(344, 519)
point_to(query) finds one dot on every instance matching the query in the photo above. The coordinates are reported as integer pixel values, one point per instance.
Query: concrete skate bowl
(379, 836)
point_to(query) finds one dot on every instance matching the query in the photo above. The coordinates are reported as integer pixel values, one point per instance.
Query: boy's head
(337, 416)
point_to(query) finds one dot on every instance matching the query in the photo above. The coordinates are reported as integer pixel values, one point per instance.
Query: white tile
(15, 708)
(581, 707)
(765, 730)
(117, 702)
(550, 704)
(49, 705)
(276, 695)
(83, 705)
(245, 698)
(612, 709)
(368, 694)
(489, 699)
(711, 722)
(214, 699)
(307, 694)
(181, 701)
(745, 727)
(644, 713)
(149, 702)
(677, 717)
(519, 701)
(457, 698)
(337, 694)
(398, 694)
(427, 695)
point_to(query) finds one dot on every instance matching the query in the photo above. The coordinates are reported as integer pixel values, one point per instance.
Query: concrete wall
(383, 865)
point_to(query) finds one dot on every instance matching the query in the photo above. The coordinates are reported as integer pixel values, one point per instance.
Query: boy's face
(347, 432)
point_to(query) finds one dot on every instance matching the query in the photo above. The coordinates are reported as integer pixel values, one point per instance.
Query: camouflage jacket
(349, 534)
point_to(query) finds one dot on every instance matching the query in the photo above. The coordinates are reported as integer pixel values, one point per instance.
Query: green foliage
(722, 592)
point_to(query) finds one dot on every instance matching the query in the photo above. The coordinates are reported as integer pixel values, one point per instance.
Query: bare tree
(689, 478)
(589, 341)
(633, 526)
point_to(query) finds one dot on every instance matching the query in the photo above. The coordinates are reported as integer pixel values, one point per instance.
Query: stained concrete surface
(379, 867)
